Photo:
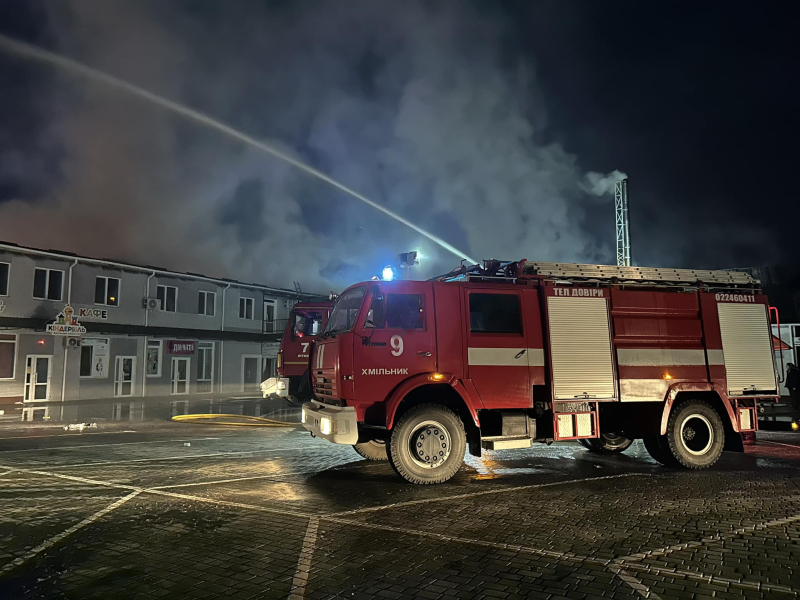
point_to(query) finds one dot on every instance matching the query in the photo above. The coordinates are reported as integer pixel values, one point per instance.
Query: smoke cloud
(420, 107)
(601, 185)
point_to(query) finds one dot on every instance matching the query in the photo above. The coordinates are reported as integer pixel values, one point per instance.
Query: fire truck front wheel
(695, 434)
(428, 444)
(372, 450)
(607, 443)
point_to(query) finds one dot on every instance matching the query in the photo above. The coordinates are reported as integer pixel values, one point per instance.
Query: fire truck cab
(306, 322)
(512, 353)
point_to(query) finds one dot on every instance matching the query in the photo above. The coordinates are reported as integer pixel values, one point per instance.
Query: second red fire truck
(306, 322)
(510, 354)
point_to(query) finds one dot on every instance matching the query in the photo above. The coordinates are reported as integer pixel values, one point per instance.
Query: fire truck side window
(494, 313)
(404, 311)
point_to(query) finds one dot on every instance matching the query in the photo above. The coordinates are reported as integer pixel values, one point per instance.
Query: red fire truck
(512, 353)
(306, 322)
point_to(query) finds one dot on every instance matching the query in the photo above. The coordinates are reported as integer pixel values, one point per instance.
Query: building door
(251, 373)
(37, 377)
(269, 369)
(124, 375)
(205, 368)
(270, 307)
(180, 375)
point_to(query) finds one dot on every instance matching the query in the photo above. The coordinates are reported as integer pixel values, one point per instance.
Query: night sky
(487, 123)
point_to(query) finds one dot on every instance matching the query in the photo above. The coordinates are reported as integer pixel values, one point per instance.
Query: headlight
(281, 385)
(325, 425)
(303, 415)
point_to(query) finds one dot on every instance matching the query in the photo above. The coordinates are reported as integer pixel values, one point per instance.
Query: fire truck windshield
(343, 317)
(307, 323)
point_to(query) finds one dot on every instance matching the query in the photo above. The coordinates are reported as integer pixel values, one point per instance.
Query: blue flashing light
(388, 273)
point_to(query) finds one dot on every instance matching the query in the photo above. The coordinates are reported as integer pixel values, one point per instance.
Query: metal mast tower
(623, 231)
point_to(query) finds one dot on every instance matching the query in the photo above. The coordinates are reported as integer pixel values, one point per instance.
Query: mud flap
(733, 441)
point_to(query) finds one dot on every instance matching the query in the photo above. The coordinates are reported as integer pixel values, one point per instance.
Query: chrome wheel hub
(697, 434)
(430, 444)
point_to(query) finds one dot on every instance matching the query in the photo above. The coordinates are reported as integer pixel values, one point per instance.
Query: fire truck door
(497, 350)
(580, 344)
(400, 338)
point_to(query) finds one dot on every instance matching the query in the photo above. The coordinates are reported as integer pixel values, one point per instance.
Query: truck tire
(657, 447)
(695, 434)
(607, 443)
(428, 444)
(372, 450)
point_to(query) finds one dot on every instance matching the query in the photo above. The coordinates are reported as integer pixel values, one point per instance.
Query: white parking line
(713, 538)
(121, 486)
(635, 584)
(300, 578)
(178, 457)
(483, 493)
(55, 539)
(159, 492)
(31, 437)
(698, 576)
(227, 503)
(105, 445)
(554, 554)
(234, 480)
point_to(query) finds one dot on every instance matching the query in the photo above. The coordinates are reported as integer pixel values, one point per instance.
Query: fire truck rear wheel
(372, 450)
(657, 447)
(428, 444)
(607, 443)
(695, 434)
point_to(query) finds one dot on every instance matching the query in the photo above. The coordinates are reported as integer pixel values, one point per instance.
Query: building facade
(82, 329)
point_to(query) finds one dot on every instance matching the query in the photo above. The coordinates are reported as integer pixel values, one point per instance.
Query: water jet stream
(34, 52)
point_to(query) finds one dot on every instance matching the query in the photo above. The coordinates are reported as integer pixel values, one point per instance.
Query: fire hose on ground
(244, 420)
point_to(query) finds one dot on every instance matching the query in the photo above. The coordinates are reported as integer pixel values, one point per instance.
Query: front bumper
(275, 386)
(336, 424)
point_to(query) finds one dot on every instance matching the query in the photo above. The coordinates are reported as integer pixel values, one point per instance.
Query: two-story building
(75, 328)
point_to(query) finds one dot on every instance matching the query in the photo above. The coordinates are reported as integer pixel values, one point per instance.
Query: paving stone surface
(208, 512)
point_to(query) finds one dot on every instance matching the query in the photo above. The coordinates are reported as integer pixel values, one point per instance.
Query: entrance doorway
(251, 373)
(124, 374)
(37, 377)
(180, 375)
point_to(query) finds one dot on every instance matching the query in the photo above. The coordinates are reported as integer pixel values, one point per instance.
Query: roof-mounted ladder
(636, 274)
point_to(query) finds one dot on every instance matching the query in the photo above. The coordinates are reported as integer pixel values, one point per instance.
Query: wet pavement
(197, 511)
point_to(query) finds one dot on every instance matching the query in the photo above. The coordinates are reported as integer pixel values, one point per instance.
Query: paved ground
(191, 511)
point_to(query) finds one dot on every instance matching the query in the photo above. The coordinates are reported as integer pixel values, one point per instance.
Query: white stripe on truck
(505, 357)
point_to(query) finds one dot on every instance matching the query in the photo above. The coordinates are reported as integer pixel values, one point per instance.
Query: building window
(494, 313)
(48, 284)
(270, 306)
(205, 303)
(106, 291)
(246, 308)
(94, 357)
(205, 367)
(8, 355)
(154, 356)
(168, 296)
(5, 268)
